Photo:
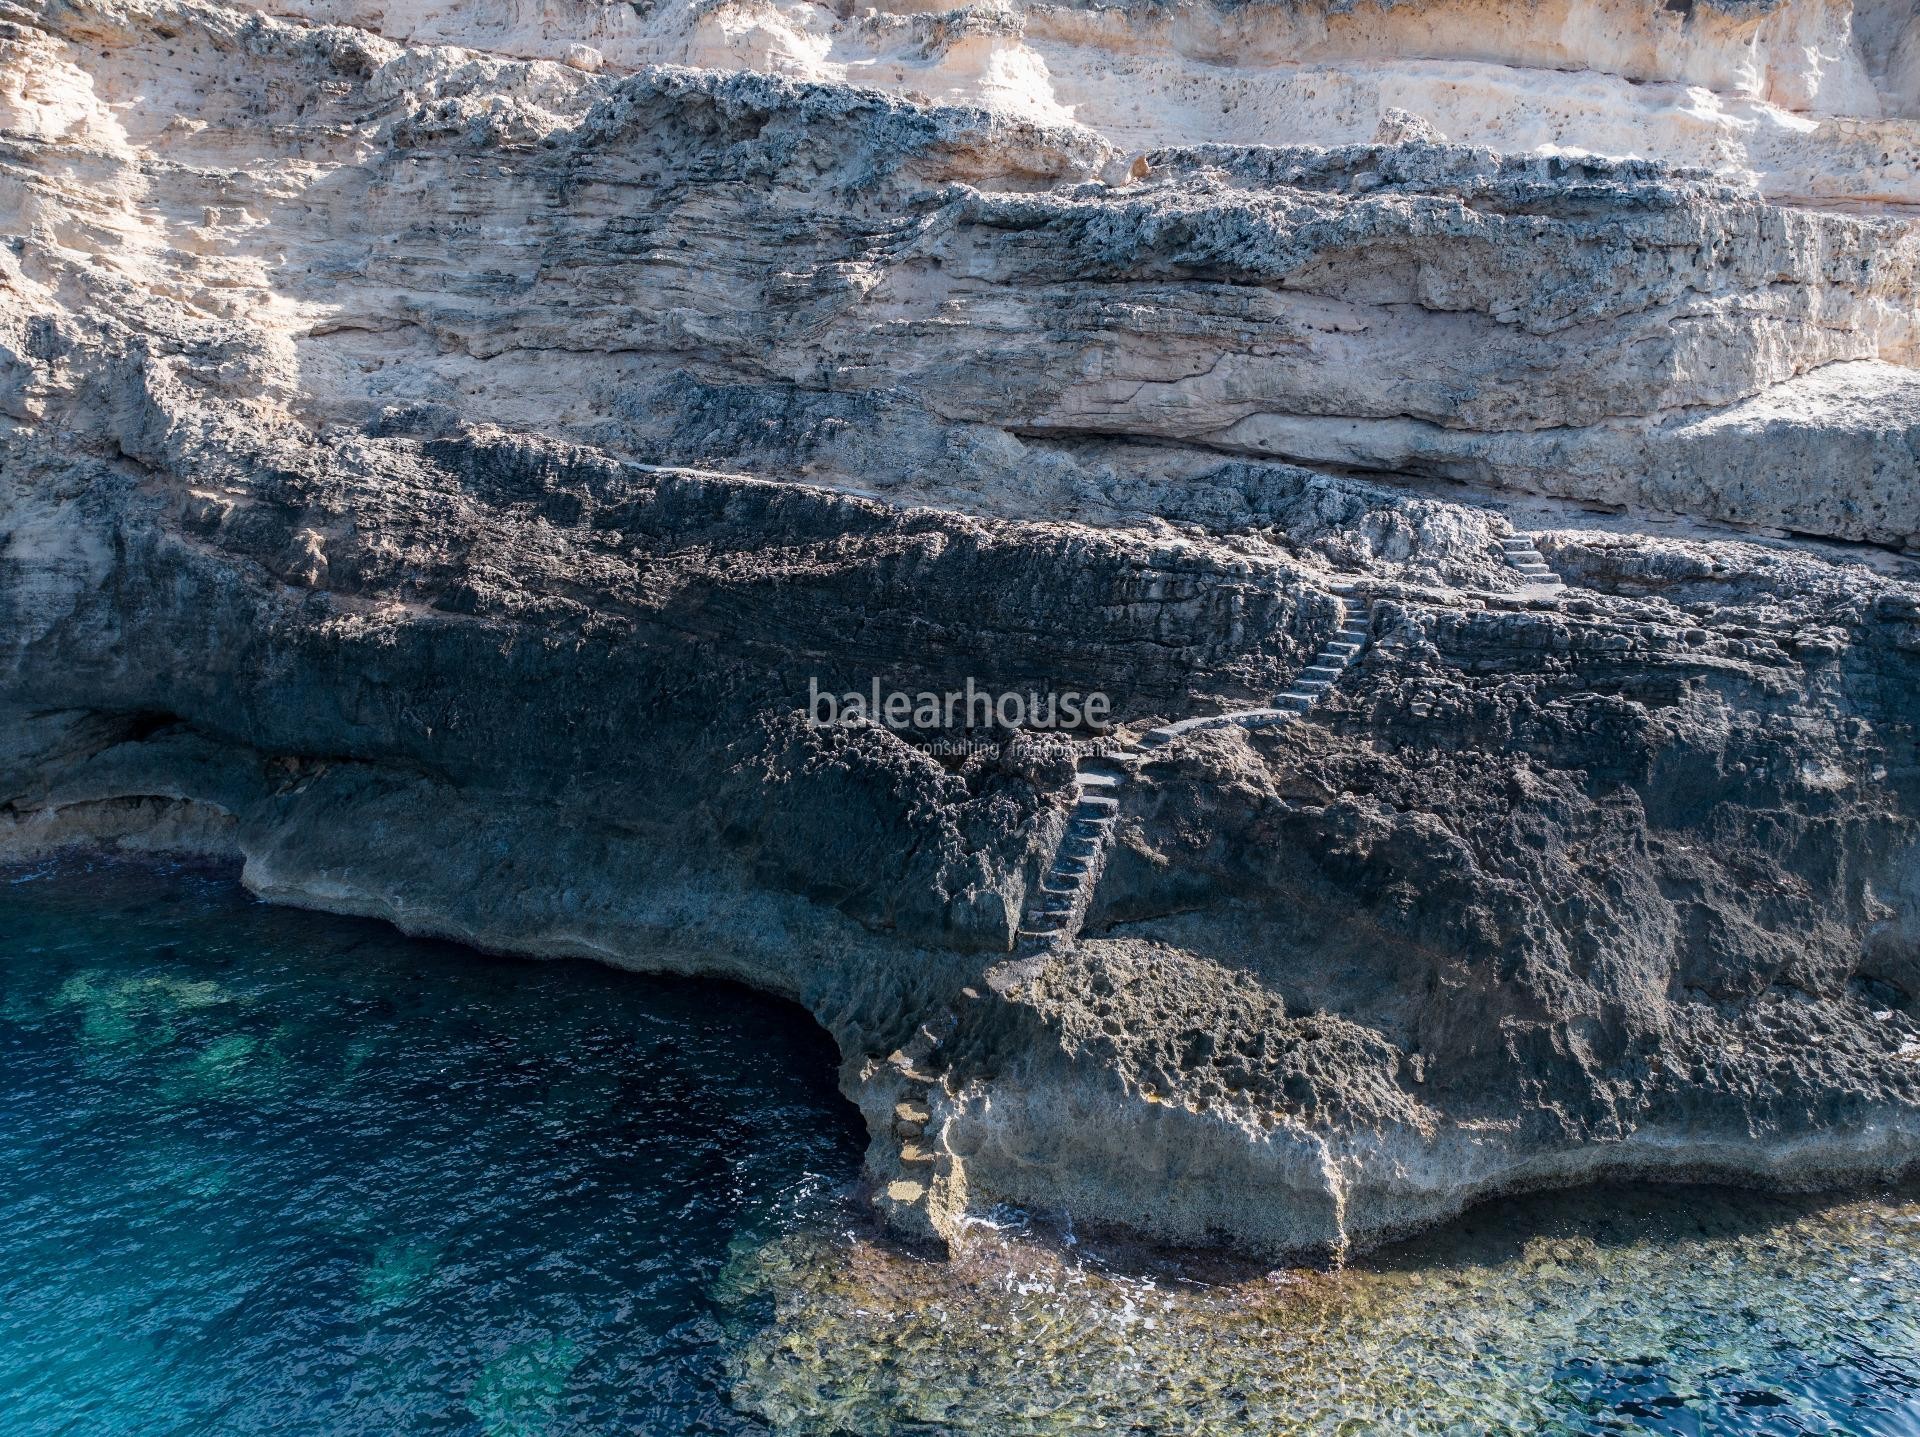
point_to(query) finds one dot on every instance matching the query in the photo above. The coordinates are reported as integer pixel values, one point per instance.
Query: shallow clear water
(263, 1170)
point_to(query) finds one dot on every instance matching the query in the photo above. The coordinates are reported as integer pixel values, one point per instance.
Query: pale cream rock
(1816, 98)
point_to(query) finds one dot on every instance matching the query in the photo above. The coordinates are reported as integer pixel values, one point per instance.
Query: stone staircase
(914, 1186)
(1058, 908)
(907, 1191)
(1521, 553)
(1320, 674)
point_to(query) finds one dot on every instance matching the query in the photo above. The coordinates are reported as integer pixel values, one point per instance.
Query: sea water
(271, 1171)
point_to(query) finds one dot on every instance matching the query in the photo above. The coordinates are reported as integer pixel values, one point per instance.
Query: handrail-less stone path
(1522, 554)
(1057, 909)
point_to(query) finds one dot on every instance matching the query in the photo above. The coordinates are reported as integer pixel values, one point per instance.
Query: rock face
(446, 479)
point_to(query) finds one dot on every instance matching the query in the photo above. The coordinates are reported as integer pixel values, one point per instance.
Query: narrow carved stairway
(1521, 553)
(1059, 906)
(1057, 909)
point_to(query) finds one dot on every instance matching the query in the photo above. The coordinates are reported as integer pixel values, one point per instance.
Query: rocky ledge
(443, 478)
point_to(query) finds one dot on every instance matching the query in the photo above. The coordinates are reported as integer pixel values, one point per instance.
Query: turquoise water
(263, 1170)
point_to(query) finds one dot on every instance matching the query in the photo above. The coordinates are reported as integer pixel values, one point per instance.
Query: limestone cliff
(442, 448)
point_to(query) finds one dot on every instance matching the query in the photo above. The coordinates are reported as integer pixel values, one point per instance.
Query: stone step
(919, 1047)
(1329, 672)
(1268, 718)
(1172, 731)
(906, 1193)
(1094, 803)
(1097, 778)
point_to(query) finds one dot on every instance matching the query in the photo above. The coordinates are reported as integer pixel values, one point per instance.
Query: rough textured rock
(804, 279)
(440, 477)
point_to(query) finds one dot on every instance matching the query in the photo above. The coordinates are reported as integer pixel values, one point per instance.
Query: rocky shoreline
(438, 479)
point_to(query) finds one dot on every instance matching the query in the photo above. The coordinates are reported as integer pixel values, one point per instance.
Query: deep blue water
(269, 1171)
(263, 1170)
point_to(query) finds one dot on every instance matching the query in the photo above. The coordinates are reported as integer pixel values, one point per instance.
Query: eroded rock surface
(441, 477)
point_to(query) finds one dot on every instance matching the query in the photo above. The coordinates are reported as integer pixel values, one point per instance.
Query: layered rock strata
(442, 478)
